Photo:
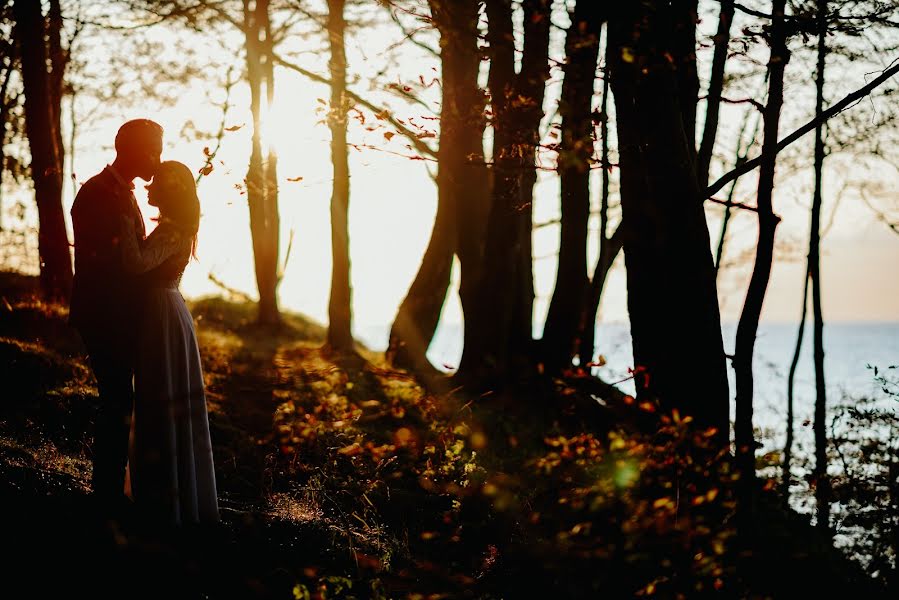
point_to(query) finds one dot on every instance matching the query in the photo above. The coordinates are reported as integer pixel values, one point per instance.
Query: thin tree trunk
(58, 60)
(672, 295)
(683, 53)
(461, 133)
(340, 335)
(4, 110)
(263, 224)
(608, 251)
(269, 310)
(787, 466)
(822, 482)
(53, 241)
(575, 155)
(758, 283)
(713, 98)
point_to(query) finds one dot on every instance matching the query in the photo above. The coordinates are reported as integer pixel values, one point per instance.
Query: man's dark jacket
(104, 296)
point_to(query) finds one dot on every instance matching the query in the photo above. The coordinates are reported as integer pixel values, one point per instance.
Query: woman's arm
(140, 258)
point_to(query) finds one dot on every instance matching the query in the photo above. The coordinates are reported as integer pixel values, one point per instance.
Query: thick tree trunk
(672, 296)
(761, 272)
(262, 196)
(822, 481)
(461, 138)
(40, 119)
(340, 335)
(498, 324)
(566, 307)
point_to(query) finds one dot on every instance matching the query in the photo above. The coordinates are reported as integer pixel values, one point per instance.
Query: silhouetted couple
(151, 440)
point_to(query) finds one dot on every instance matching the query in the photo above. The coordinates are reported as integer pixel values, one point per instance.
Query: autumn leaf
(235, 127)
(388, 135)
(207, 151)
(206, 170)
(298, 178)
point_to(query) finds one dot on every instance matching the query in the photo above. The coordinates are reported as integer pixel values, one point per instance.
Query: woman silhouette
(170, 468)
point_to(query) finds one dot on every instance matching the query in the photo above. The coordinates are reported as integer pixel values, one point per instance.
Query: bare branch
(381, 112)
(809, 126)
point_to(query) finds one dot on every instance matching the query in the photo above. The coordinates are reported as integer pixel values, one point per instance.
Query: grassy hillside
(340, 477)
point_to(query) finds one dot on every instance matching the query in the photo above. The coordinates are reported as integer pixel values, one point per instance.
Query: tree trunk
(461, 135)
(58, 60)
(530, 83)
(261, 198)
(566, 307)
(761, 272)
(787, 466)
(713, 97)
(822, 481)
(672, 296)
(268, 310)
(4, 110)
(53, 241)
(340, 335)
(609, 247)
(498, 324)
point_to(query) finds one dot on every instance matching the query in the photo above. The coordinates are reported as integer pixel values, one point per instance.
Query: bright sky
(393, 201)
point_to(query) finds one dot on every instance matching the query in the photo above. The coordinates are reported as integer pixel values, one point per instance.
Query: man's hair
(136, 130)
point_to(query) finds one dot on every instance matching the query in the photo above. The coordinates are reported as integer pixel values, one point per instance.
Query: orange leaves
(206, 169)
(388, 135)
(235, 127)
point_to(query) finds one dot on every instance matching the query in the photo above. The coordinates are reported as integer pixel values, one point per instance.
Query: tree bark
(761, 272)
(340, 335)
(822, 481)
(461, 142)
(53, 241)
(262, 194)
(672, 295)
(566, 307)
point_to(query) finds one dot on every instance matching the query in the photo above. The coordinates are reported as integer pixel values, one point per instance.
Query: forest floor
(340, 477)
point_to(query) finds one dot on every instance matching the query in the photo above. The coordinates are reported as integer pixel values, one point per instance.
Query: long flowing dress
(170, 465)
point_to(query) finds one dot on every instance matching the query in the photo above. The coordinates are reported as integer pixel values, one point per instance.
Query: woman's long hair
(180, 201)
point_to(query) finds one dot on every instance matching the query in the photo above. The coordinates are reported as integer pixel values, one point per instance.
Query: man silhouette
(105, 299)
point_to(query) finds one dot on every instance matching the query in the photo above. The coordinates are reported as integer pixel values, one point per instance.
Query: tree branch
(419, 145)
(809, 126)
